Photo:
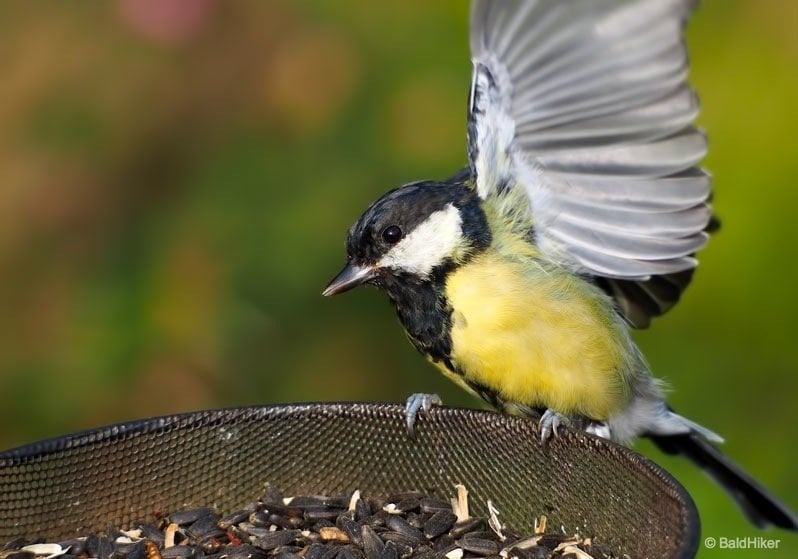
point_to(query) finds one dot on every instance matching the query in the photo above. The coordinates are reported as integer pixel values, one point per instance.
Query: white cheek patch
(429, 244)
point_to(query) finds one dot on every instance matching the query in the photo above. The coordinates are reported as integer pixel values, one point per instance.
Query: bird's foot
(551, 420)
(416, 403)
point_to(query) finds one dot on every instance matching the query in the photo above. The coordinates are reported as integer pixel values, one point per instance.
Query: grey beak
(351, 276)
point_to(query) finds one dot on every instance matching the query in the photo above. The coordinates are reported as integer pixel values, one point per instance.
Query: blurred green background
(177, 179)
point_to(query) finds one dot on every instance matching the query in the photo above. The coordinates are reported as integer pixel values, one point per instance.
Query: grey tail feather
(758, 505)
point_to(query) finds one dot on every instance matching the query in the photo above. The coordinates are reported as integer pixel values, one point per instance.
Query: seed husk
(44, 549)
(77, 546)
(333, 534)
(152, 550)
(170, 535)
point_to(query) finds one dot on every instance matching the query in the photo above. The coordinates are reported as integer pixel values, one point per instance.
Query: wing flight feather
(586, 106)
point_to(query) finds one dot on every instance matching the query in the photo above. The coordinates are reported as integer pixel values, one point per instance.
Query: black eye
(392, 234)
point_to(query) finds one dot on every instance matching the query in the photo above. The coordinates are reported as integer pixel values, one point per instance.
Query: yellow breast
(538, 337)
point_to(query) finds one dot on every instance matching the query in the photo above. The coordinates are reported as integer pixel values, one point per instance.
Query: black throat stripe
(424, 312)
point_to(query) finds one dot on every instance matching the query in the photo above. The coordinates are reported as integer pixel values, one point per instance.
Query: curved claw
(416, 403)
(550, 421)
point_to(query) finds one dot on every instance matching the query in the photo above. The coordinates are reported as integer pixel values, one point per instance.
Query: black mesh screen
(224, 458)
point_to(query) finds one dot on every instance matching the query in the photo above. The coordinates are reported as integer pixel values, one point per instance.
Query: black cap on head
(445, 223)
(401, 211)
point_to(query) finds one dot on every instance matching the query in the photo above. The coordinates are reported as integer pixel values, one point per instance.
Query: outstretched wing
(585, 103)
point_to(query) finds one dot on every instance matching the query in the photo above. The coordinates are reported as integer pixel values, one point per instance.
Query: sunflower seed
(179, 552)
(433, 505)
(277, 538)
(346, 526)
(479, 546)
(466, 526)
(205, 527)
(438, 523)
(183, 517)
(350, 552)
(401, 526)
(389, 551)
(372, 544)
(347, 523)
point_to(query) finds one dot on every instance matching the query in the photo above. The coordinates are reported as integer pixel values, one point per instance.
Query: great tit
(577, 217)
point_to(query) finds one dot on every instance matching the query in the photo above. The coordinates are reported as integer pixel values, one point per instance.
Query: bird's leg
(416, 403)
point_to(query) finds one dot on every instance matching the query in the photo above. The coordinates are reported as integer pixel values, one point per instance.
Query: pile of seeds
(404, 526)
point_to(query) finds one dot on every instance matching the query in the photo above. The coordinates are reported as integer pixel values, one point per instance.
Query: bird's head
(410, 233)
